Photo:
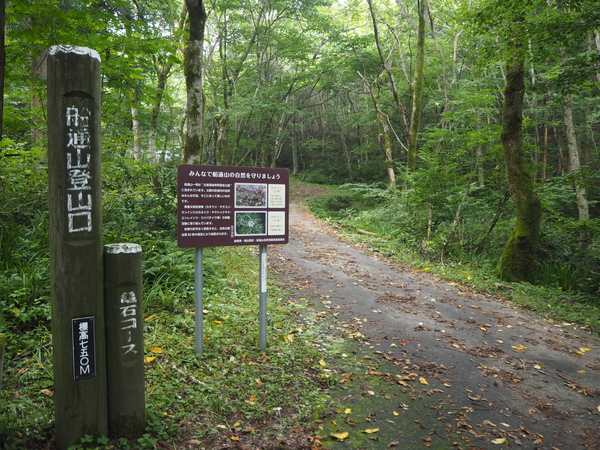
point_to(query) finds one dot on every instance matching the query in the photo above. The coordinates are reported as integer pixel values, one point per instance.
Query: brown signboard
(219, 206)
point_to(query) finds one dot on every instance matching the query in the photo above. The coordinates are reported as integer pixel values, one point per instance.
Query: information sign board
(220, 206)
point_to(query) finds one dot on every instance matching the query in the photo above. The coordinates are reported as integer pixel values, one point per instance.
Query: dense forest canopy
(390, 94)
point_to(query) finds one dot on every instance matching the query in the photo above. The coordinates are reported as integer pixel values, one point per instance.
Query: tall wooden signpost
(221, 206)
(76, 249)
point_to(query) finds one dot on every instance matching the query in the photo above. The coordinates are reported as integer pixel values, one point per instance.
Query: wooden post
(124, 339)
(76, 268)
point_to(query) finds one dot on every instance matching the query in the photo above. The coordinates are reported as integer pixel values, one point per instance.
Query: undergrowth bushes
(187, 397)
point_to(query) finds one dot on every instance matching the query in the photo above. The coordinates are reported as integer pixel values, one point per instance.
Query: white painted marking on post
(74, 49)
(115, 249)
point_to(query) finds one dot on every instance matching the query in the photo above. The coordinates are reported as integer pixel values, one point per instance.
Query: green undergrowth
(372, 217)
(234, 392)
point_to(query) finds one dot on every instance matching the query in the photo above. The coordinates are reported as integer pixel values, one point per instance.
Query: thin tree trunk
(417, 97)
(283, 120)
(2, 62)
(135, 125)
(162, 75)
(574, 167)
(38, 72)
(193, 70)
(385, 129)
(386, 66)
(294, 154)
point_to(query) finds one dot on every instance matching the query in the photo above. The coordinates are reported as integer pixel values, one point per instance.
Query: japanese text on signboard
(84, 351)
(79, 198)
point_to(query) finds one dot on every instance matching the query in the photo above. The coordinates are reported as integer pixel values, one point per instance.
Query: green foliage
(138, 196)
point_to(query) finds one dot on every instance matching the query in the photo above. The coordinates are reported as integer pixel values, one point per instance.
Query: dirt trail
(444, 366)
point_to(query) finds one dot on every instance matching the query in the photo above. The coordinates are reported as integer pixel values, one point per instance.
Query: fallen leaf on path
(519, 348)
(340, 436)
(499, 441)
(347, 411)
(371, 430)
(475, 398)
(422, 380)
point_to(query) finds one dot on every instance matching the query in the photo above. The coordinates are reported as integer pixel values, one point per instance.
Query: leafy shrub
(338, 202)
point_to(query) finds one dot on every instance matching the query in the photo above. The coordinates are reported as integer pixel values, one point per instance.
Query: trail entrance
(439, 364)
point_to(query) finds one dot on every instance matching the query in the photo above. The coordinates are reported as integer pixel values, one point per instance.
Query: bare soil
(426, 363)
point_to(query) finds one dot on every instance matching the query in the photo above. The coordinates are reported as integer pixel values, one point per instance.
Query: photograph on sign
(250, 195)
(250, 223)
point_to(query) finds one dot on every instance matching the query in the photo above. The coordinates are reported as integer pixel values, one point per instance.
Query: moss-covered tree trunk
(518, 257)
(193, 70)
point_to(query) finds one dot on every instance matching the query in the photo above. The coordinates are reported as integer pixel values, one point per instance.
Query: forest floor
(417, 362)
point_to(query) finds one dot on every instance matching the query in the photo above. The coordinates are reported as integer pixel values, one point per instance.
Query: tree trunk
(193, 70)
(161, 84)
(38, 74)
(135, 125)
(417, 95)
(2, 62)
(387, 67)
(385, 129)
(574, 166)
(162, 74)
(518, 257)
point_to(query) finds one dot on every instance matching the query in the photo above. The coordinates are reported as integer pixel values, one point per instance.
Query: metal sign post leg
(199, 301)
(262, 313)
